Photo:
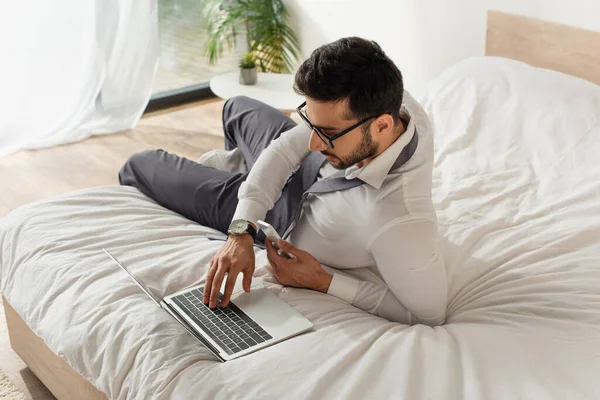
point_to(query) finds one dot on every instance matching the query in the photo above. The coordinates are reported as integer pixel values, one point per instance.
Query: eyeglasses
(328, 139)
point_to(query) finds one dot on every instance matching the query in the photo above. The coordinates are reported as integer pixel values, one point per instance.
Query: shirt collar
(374, 173)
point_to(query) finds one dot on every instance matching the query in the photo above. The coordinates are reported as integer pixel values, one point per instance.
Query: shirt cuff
(343, 287)
(249, 210)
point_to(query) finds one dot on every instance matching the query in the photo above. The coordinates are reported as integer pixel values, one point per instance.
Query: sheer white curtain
(71, 68)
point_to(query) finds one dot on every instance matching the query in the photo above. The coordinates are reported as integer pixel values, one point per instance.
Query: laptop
(250, 322)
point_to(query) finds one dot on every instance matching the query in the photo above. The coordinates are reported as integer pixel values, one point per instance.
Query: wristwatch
(241, 226)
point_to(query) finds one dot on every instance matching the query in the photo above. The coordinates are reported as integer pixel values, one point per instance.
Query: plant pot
(248, 76)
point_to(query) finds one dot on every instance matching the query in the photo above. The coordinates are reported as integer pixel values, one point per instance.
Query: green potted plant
(263, 24)
(248, 69)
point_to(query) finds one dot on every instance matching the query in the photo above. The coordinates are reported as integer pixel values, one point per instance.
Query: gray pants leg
(200, 193)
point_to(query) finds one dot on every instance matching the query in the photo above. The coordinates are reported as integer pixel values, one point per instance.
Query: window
(183, 68)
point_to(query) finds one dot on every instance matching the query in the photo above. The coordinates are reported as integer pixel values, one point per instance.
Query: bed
(517, 189)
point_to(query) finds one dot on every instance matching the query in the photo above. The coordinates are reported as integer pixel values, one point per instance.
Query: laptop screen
(139, 282)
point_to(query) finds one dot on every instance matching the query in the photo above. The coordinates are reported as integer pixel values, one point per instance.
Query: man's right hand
(236, 255)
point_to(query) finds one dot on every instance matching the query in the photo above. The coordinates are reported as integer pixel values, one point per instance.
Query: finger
(271, 250)
(273, 267)
(217, 281)
(248, 273)
(231, 277)
(277, 261)
(247, 282)
(208, 282)
(269, 246)
(290, 248)
(270, 267)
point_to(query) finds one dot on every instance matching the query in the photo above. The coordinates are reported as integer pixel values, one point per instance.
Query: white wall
(424, 37)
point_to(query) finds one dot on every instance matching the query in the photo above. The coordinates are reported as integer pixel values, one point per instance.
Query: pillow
(502, 114)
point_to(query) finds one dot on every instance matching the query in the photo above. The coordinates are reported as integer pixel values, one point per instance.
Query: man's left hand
(304, 271)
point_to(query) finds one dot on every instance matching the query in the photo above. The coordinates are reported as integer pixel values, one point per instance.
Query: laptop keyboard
(230, 327)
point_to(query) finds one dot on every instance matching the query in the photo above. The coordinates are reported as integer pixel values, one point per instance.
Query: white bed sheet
(517, 186)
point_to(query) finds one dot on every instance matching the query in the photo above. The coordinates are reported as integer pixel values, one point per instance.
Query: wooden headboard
(573, 51)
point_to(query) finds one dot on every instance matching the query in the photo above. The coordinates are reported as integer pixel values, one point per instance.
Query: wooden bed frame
(543, 44)
(52, 370)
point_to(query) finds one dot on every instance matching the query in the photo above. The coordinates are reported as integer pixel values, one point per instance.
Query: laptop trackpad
(270, 312)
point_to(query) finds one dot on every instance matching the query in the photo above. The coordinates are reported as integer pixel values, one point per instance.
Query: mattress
(517, 189)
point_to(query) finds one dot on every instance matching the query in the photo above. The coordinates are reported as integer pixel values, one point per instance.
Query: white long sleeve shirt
(379, 240)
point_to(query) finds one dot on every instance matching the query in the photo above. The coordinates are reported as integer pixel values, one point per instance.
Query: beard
(365, 149)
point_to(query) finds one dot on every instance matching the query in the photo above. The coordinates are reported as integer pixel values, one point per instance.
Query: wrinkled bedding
(517, 189)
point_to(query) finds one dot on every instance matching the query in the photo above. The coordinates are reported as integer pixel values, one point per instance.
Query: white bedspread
(517, 188)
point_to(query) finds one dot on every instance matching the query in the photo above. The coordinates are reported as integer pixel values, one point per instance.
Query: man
(351, 186)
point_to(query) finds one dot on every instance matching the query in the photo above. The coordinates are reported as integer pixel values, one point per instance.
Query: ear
(382, 126)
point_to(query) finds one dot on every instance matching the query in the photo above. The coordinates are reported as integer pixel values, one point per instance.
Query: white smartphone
(273, 236)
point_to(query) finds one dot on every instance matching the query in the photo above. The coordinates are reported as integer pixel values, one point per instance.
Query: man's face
(349, 149)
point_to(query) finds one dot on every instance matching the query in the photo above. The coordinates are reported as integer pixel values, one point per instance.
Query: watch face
(238, 227)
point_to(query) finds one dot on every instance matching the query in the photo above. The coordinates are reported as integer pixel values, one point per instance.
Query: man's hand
(304, 271)
(236, 255)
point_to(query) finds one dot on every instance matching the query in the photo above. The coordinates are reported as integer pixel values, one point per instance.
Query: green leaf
(269, 36)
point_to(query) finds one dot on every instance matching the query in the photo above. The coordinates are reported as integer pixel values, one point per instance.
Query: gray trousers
(208, 195)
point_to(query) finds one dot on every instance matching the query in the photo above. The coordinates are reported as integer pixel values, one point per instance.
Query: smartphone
(273, 236)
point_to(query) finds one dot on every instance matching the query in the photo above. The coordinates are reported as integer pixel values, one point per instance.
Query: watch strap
(252, 231)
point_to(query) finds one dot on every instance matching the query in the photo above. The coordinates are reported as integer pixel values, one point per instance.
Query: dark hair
(355, 69)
